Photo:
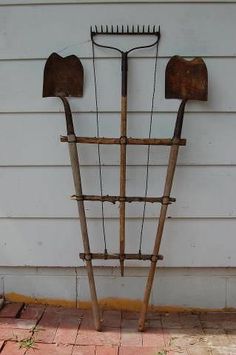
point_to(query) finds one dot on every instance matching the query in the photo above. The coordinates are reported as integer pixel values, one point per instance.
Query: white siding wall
(38, 224)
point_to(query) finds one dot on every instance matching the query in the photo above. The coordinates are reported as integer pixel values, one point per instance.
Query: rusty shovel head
(63, 76)
(186, 80)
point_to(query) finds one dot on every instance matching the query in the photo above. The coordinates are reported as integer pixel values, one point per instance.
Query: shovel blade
(186, 80)
(63, 76)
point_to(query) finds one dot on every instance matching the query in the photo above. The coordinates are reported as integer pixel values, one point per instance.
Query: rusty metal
(63, 77)
(185, 80)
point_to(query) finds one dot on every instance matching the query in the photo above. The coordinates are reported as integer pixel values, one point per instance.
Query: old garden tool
(128, 31)
(185, 80)
(64, 77)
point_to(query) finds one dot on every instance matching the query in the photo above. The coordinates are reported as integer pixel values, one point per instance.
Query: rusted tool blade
(63, 76)
(186, 79)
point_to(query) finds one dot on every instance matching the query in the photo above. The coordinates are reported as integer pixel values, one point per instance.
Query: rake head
(125, 30)
(63, 76)
(186, 80)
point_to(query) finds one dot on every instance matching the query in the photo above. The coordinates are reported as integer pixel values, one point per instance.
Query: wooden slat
(114, 199)
(199, 191)
(208, 137)
(57, 242)
(128, 141)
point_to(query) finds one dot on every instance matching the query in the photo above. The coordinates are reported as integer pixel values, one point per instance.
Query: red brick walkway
(40, 330)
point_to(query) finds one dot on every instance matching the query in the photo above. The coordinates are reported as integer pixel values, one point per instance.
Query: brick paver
(135, 350)
(106, 350)
(16, 323)
(47, 328)
(129, 334)
(109, 336)
(51, 349)
(69, 331)
(182, 338)
(154, 337)
(84, 350)
(11, 310)
(14, 334)
(112, 319)
(12, 348)
(32, 311)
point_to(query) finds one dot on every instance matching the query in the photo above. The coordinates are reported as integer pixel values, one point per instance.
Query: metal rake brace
(128, 31)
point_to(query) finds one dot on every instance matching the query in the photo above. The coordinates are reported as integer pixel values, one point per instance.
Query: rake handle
(74, 158)
(123, 132)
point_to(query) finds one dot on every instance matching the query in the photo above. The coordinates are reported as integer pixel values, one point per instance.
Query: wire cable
(149, 147)
(98, 150)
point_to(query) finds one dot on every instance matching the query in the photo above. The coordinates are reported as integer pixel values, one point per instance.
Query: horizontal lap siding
(21, 87)
(37, 217)
(57, 242)
(208, 135)
(45, 192)
(188, 29)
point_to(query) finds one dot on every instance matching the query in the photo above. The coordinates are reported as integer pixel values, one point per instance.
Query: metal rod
(127, 141)
(167, 189)
(114, 199)
(74, 158)
(103, 256)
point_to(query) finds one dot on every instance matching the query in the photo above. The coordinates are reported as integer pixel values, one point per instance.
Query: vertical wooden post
(123, 132)
(74, 158)
(167, 189)
(169, 180)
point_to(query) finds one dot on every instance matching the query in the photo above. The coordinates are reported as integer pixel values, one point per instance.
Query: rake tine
(112, 29)
(96, 29)
(154, 29)
(143, 28)
(148, 30)
(138, 28)
(107, 29)
(122, 28)
(127, 29)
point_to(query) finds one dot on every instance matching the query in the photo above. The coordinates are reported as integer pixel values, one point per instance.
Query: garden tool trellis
(185, 80)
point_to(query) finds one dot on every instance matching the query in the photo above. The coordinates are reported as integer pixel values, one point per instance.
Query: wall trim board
(185, 289)
(71, 2)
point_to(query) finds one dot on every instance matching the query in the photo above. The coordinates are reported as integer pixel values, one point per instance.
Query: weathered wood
(74, 158)
(114, 199)
(123, 131)
(115, 256)
(129, 141)
(167, 189)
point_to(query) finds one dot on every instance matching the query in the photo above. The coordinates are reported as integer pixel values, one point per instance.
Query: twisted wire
(149, 147)
(98, 150)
